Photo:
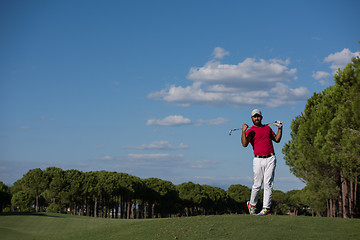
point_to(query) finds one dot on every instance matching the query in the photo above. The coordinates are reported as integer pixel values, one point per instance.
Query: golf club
(274, 123)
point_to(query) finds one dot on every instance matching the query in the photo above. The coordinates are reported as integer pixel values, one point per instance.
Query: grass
(62, 226)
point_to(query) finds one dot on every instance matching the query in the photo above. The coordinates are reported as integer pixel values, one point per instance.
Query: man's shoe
(251, 209)
(264, 212)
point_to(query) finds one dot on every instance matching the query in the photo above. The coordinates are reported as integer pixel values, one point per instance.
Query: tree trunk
(36, 202)
(81, 211)
(344, 193)
(340, 208)
(331, 207)
(356, 197)
(328, 207)
(153, 210)
(128, 210)
(351, 197)
(95, 208)
(145, 211)
(116, 207)
(132, 215)
(87, 209)
(122, 208)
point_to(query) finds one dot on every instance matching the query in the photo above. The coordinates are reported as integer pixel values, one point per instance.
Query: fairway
(61, 226)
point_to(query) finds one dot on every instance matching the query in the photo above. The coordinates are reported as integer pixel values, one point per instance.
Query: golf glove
(279, 124)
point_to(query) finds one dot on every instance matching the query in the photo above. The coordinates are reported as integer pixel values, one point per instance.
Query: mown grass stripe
(65, 227)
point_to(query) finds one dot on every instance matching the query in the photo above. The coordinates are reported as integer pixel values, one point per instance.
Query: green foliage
(5, 196)
(163, 194)
(239, 195)
(120, 195)
(22, 201)
(279, 203)
(53, 208)
(324, 148)
(298, 202)
(216, 201)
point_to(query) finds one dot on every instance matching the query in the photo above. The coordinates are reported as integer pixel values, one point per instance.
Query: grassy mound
(60, 226)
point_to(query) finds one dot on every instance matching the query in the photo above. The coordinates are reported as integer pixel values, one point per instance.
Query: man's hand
(277, 137)
(279, 124)
(244, 138)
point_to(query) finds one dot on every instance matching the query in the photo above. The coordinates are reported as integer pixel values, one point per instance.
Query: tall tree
(240, 194)
(193, 196)
(90, 193)
(74, 180)
(33, 182)
(55, 180)
(217, 200)
(5, 196)
(324, 148)
(164, 195)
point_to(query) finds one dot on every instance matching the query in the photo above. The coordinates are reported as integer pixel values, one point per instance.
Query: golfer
(261, 136)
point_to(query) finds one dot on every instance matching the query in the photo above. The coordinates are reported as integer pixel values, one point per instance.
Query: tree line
(324, 149)
(120, 195)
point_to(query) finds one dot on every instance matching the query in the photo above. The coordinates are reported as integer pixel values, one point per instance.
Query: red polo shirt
(261, 141)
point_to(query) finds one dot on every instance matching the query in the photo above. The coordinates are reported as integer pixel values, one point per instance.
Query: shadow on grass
(27, 214)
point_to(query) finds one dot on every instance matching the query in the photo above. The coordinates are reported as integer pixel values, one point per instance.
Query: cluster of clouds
(160, 161)
(260, 82)
(160, 158)
(250, 82)
(337, 60)
(158, 145)
(179, 120)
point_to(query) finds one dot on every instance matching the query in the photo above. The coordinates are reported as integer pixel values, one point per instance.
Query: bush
(53, 208)
(6, 210)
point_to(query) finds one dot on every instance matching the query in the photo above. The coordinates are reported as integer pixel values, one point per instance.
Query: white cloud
(244, 74)
(105, 158)
(196, 95)
(204, 164)
(152, 165)
(158, 145)
(220, 53)
(44, 118)
(173, 120)
(212, 122)
(153, 156)
(141, 161)
(247, 83)
(284, 95)
(340, 59)
(101, 146)
(322, 77)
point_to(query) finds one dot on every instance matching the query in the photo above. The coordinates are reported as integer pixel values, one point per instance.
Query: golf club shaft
(236, 129)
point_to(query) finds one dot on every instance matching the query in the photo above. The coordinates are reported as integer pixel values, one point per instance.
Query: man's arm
(244, 139)
(277, 137)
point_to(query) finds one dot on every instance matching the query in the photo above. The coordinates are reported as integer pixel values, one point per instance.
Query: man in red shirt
(261, 136)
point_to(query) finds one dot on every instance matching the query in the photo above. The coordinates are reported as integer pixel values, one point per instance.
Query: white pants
(264, 171)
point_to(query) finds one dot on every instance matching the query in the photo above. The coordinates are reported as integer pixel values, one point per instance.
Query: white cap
(256, 111)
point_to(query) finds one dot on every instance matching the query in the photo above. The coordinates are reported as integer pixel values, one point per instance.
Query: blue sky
(152, 88)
